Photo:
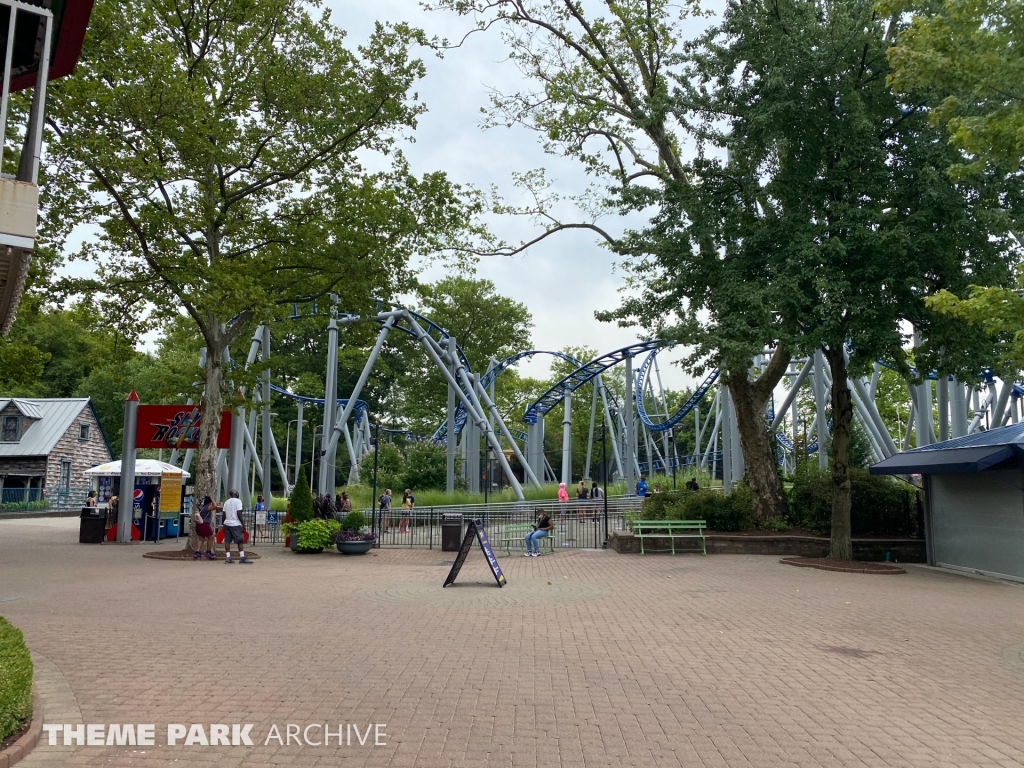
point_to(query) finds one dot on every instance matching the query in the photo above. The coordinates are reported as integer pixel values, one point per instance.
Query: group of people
(408, 505)
(204, 518)
(594, 493)
(642, 491)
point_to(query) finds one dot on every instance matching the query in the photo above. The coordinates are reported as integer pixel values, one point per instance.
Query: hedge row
(880, 505)
(15, 680)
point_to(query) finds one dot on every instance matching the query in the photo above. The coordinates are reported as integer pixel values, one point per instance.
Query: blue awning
(942, 461)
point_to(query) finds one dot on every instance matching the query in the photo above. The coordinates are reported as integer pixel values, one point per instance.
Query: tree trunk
(750, 399)
(209, 428)
(842, 418)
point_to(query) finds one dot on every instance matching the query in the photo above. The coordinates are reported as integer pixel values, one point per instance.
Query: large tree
(218, 149)
(604, 79)
(967, 58)
(811, 210)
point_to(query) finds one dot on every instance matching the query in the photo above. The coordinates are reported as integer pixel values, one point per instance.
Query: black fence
(577, 525)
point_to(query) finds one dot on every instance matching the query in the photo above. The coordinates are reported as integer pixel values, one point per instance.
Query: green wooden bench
(515, 533)
(672, 530)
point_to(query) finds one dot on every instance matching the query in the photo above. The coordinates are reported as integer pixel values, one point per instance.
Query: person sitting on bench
(540, 531)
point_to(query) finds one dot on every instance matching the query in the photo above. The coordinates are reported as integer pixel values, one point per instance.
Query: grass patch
(15, 680)
(362, 496)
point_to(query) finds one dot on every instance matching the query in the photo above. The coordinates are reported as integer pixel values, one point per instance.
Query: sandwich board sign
(475, 530)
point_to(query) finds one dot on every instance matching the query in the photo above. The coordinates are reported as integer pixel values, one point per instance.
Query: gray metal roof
(57, 415)
(970, 454)
(27, 407)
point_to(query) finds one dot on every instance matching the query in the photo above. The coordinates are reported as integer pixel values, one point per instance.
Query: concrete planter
(354, 547)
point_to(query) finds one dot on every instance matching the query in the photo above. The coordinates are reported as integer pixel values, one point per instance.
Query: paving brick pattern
(643, 661)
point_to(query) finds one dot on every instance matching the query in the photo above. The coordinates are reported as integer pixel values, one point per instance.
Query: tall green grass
(362, 495)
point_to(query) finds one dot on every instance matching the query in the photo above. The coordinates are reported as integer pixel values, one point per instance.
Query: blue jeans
(533, 540)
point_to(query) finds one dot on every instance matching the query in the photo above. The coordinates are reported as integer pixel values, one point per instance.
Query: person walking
(261, 517)
(344, 504)
(596, 492)
(581, 501)
(408, 505)
(385, 509)
(540, 531)
(641, 486)
(202, 519)
(234, 529)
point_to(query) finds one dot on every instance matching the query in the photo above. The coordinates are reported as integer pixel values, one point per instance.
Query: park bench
(672, 530)
(515, 533)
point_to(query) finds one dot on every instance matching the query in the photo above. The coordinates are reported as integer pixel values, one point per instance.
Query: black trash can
(451, 531)
(93, 526)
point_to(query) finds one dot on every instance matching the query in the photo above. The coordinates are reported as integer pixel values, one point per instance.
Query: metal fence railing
(577, 524)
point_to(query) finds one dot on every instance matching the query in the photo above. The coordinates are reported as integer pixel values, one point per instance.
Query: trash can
(93, 526)
(451, 531)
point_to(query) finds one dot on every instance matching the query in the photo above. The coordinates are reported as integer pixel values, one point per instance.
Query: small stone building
(974, 500)
(45, 446)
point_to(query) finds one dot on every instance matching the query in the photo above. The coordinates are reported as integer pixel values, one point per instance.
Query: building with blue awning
(974, 500)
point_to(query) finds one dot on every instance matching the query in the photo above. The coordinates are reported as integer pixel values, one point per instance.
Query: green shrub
(734, 512)
(353, 521)
(302, 499)
(313, 534)
(879, 505)
(15, 680)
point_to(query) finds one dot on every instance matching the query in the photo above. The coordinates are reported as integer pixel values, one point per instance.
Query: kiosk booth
(159, 503)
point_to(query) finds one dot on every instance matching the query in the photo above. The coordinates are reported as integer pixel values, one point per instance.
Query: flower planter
(354, 547)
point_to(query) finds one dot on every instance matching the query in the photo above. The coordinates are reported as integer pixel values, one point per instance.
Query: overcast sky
(562, 280)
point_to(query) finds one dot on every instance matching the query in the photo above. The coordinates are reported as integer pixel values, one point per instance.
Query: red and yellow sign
(176, 426)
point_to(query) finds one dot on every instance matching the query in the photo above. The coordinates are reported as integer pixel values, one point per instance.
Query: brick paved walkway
(589, 659)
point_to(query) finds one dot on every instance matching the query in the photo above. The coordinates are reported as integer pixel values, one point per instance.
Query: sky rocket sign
(176, 427)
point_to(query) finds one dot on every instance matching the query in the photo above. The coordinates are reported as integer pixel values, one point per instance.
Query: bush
(312, 534)
(734, 512)
(353, 521)
(302, 499)
(15, 680)
(879, 505)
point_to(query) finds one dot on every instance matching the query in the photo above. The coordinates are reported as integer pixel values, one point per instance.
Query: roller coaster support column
(727, 417)
(567, 439)
(611, 425)
(450, 445)
(535, 446)
(468, 398)
(339, 425)
(958, 403)
(326, 480)
(268, 436)
(630, 431)
(590, 432)
(471, 446)
(298, 449)
(665, 442)
(488, 404)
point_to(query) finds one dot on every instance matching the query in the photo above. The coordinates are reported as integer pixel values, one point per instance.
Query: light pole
(604, 480)
(287, 449)
(317, 431)
(672, 442)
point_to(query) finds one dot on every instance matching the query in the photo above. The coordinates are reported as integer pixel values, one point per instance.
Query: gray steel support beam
(819, 405)
(450, 439)
(726, 440)
(590, 431)
(629, 431)
(268, 435)
(567, 439)
(298, 446)
(325, 482)
(469, 401)
(488, 404)
(942, 401)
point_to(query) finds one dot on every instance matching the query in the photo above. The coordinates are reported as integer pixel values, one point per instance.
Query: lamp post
(604, 480)
(672, 442)
(317, 432)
